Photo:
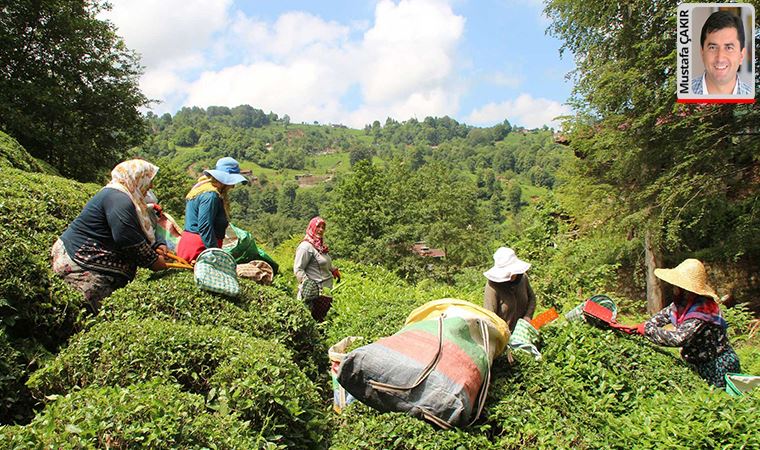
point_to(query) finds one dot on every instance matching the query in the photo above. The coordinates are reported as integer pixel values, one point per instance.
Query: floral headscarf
(701, 307)
(133, 177)
(311, 235)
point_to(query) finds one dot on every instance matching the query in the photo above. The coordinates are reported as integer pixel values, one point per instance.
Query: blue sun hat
(227, 171)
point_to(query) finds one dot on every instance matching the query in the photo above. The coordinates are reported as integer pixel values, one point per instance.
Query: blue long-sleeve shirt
(205, 216)
(107, 237)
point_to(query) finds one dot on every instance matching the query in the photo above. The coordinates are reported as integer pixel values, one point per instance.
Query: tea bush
(13, 155)
(251, 377)
(702, 419)
(16, 399)
(364, 428)
(34, 210)
(259, 311)
(146, 415)
(586, 377)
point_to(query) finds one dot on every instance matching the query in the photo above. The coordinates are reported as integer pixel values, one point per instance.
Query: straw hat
(505, 264)
(689, 275)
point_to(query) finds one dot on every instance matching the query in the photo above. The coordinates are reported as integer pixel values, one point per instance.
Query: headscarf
(311, 235)
(697, 307)
(133, 177)
(204, 185)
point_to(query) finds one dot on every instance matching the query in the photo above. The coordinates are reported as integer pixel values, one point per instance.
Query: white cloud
(504, 79)
(525, 111)
(412, 45)
(302, 65)
(169, 33)
(292, 33)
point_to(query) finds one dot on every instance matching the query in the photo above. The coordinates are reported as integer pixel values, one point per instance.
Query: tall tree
(667, 167)
(68, 85)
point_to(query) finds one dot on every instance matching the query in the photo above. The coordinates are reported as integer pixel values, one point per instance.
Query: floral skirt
(94, 285)
(715, 370)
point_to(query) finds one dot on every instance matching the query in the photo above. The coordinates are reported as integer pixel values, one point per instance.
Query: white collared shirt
(704, 86)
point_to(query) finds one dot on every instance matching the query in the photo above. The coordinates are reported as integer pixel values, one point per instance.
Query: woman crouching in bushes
(100, 250)
(699, 328)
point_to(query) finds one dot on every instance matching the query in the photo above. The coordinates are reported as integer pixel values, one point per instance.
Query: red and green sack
(437, 367)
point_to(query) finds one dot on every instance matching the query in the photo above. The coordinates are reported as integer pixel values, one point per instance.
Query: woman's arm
(531, 308)
(126, 232)
(301, 261)
(684, 333)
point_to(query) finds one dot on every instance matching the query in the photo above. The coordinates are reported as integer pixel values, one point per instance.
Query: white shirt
(309, 263)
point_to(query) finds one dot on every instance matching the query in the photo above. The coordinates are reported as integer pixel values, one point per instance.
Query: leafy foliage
(152, 414)
(12, 154)
(68, 85)
(260, 311)
(252, 377)
(679, 173)
(34, 210)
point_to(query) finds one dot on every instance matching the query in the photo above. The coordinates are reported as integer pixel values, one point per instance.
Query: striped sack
(436, 368)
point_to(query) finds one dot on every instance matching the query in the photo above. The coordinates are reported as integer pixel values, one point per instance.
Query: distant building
(422, 249)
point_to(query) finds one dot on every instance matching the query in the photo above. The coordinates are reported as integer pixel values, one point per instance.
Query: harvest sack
(258, 271)
(215, 272)
(437, 367)
(319, 307)
(525, 338)
(337, 353)
(576, 314)
(241, 245)
(318, 304)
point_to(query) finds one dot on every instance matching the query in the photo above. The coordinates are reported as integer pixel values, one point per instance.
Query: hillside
(165, 365)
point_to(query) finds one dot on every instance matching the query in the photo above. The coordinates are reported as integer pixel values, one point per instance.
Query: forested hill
(382, 188)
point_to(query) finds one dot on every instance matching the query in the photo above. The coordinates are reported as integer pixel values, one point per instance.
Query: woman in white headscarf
(101, 249)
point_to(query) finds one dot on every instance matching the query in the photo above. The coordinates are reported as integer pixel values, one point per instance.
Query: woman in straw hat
(508, 292)
(700, 330)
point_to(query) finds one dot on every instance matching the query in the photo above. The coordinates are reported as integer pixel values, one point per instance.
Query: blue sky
(351, 62)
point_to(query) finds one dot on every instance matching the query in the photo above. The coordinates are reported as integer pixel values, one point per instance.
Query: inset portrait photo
(715, 43)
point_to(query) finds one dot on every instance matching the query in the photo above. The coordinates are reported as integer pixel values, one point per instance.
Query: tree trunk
(653, 260)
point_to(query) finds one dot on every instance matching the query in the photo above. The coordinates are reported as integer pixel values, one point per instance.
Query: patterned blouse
(700, 341)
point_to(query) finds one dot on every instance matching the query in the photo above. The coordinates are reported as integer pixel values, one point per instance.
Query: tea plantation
(165, 365)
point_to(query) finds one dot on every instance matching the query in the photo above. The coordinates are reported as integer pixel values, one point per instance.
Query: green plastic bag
(241, 245)
(739, 383)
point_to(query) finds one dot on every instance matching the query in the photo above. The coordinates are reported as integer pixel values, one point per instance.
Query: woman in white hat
(700, 330)
(508, 292)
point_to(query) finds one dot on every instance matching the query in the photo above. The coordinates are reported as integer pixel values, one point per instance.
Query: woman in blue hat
(207, 209)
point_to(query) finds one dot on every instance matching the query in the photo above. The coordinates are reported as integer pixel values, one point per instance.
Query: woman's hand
(336, 273)
(160, 264)
(162, 250)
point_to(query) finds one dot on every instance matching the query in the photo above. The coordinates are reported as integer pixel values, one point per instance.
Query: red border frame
(715, 100)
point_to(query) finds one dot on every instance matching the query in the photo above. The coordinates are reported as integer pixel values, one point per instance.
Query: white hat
(505, 265)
